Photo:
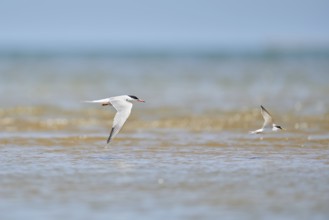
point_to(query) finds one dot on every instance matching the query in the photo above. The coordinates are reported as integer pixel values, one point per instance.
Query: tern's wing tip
(108, 141)
(110, 136)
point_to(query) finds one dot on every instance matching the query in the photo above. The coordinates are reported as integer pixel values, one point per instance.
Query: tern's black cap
(133, 97)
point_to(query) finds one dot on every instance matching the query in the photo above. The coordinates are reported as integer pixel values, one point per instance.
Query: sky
(155, 24)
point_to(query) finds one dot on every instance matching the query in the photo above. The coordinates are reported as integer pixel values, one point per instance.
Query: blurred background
(226, 54)
(204, 67)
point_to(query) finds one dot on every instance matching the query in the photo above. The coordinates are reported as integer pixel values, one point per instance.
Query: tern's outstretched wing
(268, 121)
(123, 111)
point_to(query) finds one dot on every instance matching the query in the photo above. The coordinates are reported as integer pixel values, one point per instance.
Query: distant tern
(268, 123)
(123, 105)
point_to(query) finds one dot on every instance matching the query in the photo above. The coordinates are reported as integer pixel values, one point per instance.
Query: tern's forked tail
(101, 101)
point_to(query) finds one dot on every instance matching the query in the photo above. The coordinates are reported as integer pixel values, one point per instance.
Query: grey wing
(268, 120)
(123, 111)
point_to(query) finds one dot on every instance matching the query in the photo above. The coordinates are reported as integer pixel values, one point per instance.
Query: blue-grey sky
(163, 24)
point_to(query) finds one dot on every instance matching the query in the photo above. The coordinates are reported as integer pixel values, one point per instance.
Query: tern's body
(268, 125)
(123, 105)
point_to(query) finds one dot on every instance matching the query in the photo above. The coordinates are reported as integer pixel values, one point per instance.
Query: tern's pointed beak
(141, 100)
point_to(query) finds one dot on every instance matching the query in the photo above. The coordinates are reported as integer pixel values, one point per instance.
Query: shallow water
(180, 155)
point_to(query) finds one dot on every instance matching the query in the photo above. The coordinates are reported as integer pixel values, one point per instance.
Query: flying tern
(268, 125)
(123, 105)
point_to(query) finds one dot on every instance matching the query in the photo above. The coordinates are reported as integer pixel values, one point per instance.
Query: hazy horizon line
(142, 51)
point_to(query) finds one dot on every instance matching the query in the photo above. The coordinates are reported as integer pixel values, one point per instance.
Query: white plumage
(268, 124)
(122, 105)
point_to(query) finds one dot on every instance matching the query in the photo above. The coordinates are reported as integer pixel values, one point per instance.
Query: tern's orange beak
(141, 100)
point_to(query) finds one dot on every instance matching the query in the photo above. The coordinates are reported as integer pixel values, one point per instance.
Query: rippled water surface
(184, 154)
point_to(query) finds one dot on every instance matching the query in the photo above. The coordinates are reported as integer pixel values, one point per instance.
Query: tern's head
(277, 127)
(134, 98)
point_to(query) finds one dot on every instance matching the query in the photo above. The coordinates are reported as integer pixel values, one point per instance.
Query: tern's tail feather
(101, 101)
(256, 131)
